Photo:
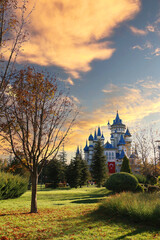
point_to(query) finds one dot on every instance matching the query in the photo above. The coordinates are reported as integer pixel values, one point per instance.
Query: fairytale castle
(120, 146)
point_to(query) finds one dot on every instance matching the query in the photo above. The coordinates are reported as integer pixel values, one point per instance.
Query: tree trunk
(34, 178)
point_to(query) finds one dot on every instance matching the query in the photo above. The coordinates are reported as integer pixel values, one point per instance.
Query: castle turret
(86, 151)
(90, 140)
(112, 140)
(78, 152)
(109, 126)
(102, 139)
(128, 140)
(95, 137)
(121, 143)
(117, 129)
(99, 133)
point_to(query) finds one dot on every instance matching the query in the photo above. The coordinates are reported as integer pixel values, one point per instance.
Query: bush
(12, 186)
(139, 188)
(120, 182)
(151, 180)
(141, 178)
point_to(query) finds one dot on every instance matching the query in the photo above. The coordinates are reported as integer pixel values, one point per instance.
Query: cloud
(138, 47)
(156, 52)
(71, 34)
(68, 80)
(138, 31)
(75, 99)
(110, 88)
(150, 28)
(147, 45)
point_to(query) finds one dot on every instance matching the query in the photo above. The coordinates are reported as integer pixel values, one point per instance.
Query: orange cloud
(137, 31)
(66, 33)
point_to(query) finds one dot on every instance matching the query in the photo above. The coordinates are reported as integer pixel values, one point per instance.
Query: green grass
(66, 214)
(140, 207)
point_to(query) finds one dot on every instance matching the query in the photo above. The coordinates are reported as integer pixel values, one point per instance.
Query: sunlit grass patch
(140, 207)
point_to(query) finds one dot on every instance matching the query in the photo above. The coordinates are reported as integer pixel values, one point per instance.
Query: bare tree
(13, 17)
(145, 141)
(37, 118)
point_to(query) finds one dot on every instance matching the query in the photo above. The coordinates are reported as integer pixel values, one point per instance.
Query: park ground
(67, 214)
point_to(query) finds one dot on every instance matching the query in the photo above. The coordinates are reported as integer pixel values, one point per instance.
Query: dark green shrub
(152, 189)
(141, 178)
(139, 188)
(151, 180)
(120, 182)
(12, 186)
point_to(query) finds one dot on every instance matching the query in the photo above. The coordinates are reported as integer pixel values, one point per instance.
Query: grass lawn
(65, 214)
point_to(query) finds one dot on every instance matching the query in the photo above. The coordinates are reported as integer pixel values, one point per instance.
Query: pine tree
(125, 165)
(77, 172)
(85, 173)
(62, 156)
(98, 165)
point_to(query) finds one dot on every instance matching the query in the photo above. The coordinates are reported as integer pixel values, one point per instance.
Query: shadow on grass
(87, 201)
(139, 228)
(86, 198)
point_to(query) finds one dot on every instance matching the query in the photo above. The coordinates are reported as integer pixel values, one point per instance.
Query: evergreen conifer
(125, 165)
(98, 165)
(77, 172)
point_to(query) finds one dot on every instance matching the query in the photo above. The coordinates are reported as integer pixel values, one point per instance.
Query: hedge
(12, 186)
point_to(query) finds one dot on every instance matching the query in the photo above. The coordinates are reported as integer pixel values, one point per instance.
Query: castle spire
(99, 132)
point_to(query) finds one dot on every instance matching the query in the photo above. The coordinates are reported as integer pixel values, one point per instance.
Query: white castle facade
(114, 151)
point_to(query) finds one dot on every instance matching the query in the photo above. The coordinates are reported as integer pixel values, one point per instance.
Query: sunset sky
(107, 52)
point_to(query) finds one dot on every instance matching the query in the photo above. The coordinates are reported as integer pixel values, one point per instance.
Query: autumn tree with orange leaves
(37, 118)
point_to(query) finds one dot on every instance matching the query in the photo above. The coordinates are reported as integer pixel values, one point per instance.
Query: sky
(107, 52)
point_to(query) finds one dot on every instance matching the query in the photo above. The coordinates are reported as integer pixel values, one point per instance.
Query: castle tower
(99, 133)
(102, 139)
(117, 129)
(128, 140)
(86, 151)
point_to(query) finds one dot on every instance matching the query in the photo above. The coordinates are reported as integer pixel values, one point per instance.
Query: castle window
(109, 155)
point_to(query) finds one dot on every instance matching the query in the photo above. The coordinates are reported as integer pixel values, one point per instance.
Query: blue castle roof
(78, 152)
(112, 137)
(102, 137)
(117, 120)
(121, 141)
(99, 132)
(90, 145)
(127, 133)
(108, 145)
(121, 156)
(86, 149)
(90, 137)
(95, 136)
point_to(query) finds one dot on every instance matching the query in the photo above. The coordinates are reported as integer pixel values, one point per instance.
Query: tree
(62, 155)
(54, 172)
(77, 172)
(13, 18)
(37, 119)
(98, 165)
(16, 168)
(125, 165)
(145, 141)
